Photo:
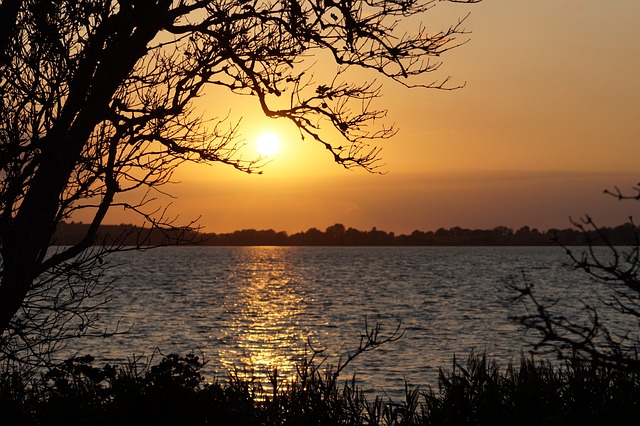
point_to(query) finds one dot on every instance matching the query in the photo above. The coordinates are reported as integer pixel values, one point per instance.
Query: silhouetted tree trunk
(8, 13)
(27, 240)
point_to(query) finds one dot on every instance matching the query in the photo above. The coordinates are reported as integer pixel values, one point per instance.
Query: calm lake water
(257, 307)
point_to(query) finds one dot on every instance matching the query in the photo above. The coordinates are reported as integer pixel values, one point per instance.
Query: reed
(474, 391)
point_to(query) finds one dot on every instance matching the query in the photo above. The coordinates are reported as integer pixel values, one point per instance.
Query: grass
(173, 392)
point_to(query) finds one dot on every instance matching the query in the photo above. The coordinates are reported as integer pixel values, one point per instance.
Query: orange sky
(550, 117)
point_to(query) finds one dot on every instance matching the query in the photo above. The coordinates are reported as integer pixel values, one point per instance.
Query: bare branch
(596, 338)
(98, 101)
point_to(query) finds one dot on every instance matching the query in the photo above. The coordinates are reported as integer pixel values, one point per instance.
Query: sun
(268, 144)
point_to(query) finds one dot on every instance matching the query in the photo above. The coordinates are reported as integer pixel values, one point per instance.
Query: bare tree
(605, 332)
(97, 102)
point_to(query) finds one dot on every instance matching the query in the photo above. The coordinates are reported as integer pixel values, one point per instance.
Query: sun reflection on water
(264, 317)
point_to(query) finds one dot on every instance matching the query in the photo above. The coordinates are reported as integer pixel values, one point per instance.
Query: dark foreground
(173, 392)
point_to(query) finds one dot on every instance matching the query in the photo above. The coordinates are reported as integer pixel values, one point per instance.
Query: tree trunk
(102, 71)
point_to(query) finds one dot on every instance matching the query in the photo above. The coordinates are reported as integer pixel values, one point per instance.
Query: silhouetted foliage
(97, 111)
(174, 392)
(612, 260)
(532, 393)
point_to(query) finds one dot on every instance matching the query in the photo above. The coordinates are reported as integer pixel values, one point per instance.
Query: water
(258, 307)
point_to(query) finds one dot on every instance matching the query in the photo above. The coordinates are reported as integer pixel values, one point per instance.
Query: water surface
(258, 307)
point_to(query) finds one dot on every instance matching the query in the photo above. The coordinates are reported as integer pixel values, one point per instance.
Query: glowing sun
(268, 144)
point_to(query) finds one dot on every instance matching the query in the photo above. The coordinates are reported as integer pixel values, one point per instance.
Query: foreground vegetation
(173, 392)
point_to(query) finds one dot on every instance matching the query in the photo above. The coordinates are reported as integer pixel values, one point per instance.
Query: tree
(98, 101)
(606, 334)
(335, 232)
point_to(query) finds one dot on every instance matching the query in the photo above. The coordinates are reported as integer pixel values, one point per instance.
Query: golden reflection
(264, 311)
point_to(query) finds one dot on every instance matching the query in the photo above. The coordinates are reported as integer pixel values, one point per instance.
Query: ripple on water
(256, 308)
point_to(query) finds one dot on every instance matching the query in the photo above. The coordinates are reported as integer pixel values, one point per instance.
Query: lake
(258, 307)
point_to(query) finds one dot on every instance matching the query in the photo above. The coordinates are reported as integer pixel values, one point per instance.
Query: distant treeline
(339, 235)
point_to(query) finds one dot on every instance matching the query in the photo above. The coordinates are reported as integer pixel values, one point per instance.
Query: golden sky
(549, 117)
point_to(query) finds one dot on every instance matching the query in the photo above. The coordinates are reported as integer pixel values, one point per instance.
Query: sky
(549, 117)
